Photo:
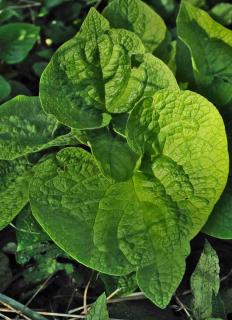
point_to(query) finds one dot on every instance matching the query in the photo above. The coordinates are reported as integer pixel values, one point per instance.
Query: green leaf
(205, 283)
(170, 128)
(15, 177)
(125, 284)
(115, 159)
(136, 16)
(219, 224)
(38, 67)
(119, 123)
(18, 88)
(97, 72)
(16, 40)
(33, 242)
(184, 69)
(73, 185)
(220, 221)
(210, 45)
(26, 128)
(165, 8)
(141, 211)
(5, 88)
(222, 12)
(53, 3)
(144, 223)
(31, 239)
(99, 309)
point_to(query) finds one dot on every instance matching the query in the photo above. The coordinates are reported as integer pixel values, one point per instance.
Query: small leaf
(38, 67)
(5, 88)
(26, 128)
(16, 40)
(119, 123)
(205, 283)
(99, 309)
(137, 16)
(18, 88)
(125, 284)
(115, 158)
(222, 12)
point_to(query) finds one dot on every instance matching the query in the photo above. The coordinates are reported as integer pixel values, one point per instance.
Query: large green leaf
(72, 185)
(97, 72)
(114, 156)
(205, 283)
(14, 180)
(148, 234)
(26, 128)
(183, 135)
(137, 16)
(16, 40)
(210, 45)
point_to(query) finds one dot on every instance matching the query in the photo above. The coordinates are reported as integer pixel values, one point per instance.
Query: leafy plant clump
(120, 165)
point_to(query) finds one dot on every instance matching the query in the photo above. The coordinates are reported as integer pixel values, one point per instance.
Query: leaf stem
(20, 307)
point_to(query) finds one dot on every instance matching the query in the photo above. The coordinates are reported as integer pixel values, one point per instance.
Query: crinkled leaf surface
(99, 309)
(211, 49)
(148, 234)
(26, 128)
(5, 88)
(184, 136)
(72, 185)
(114, 156)
(96, 72)
(205, 283)
(137, 16)
(146, 222)
(14, 180)
(16, 40)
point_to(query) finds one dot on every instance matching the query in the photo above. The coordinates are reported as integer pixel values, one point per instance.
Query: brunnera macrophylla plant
(121, 168)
